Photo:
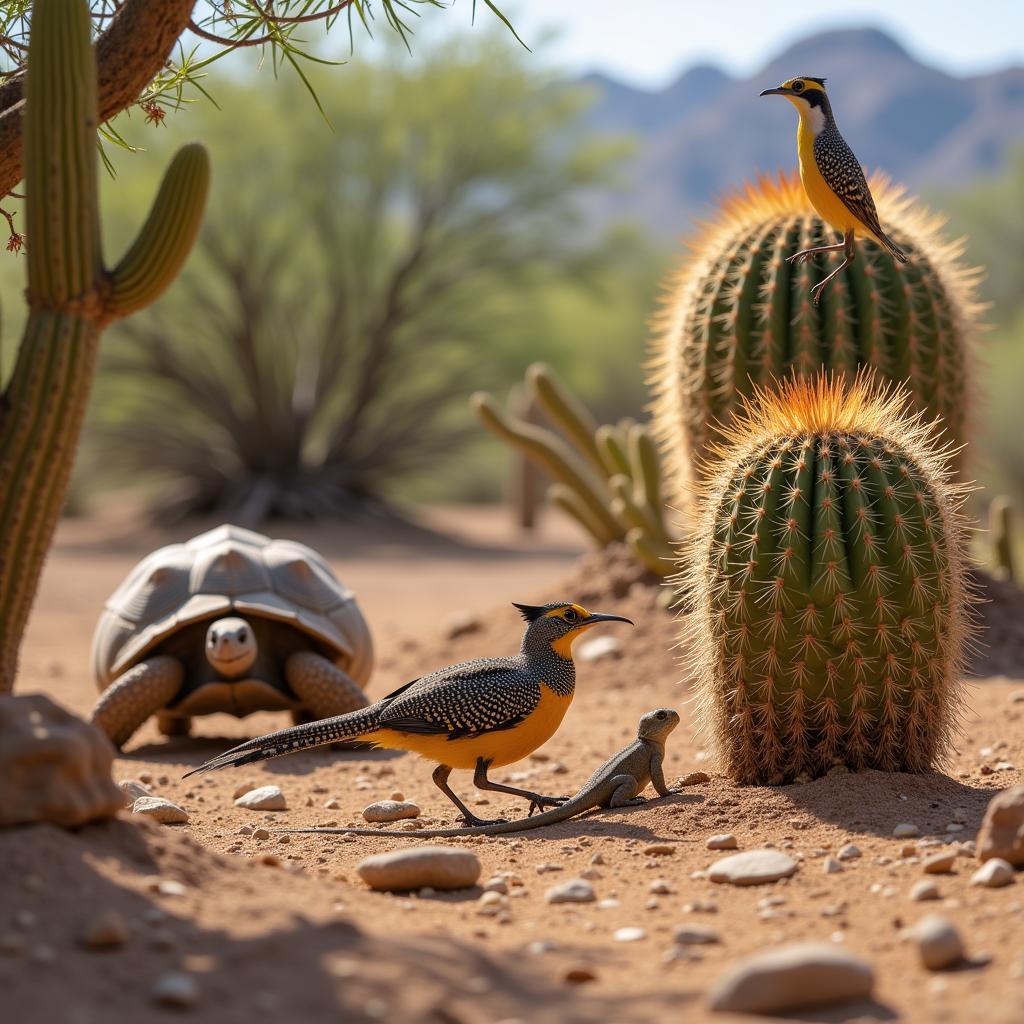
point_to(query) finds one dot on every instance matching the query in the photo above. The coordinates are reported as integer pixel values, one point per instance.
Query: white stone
(906, 830)
(993, 874)
(938, 942)
(133, 789)
(725, 841)
(831, 866)
(599, 648)
(848, 852)
(390, 810)
(440, 867)
(177, 989)
(629, 935)
(576, 890)
(753, 867)
(263, 798)
(923, 890)
(162, 810)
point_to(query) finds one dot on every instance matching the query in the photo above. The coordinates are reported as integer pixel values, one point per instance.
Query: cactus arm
(646, 473)
(660, 559)
(1000, 525)
(566, 410)
(613, 455)
(166, 238)
(570, 502)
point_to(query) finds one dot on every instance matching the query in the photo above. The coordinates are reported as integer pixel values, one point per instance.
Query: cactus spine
(70, 295)
(737, 315)
(607, 478)
(828, 579)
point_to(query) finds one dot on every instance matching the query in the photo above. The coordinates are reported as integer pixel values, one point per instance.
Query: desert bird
(475, 715)
(832, 177)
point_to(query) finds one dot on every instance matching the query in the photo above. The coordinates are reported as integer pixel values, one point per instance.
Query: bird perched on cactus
(832, 178)
(828, 578)
(475, 715)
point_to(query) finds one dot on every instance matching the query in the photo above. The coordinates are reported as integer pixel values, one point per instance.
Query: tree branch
(134, 47)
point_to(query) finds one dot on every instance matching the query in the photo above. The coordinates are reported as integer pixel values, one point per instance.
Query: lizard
(617, 783)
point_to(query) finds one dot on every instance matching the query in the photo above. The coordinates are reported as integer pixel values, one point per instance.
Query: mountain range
(708, 131)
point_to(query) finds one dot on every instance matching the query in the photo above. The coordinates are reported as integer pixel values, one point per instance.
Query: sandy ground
(266, 926)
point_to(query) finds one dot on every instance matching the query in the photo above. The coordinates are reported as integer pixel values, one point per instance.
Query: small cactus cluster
(737, 315)
(607, 478)
(71, 296)
(827, 574)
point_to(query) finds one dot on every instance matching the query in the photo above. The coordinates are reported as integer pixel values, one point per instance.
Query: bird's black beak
(777, 92)
(600, 617)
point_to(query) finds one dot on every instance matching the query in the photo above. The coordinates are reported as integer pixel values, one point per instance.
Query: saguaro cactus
(827, 576)
(607, 478)
(737, 315)
(71, 296)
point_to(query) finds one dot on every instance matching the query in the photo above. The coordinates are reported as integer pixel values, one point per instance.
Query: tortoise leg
(173, 725)
(142, 691)
(321, 686)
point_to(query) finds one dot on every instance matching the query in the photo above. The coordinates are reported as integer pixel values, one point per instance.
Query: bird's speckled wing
(467, 699)
(843, 174)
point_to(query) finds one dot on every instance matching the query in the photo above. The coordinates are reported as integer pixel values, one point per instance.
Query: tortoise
(230, 621)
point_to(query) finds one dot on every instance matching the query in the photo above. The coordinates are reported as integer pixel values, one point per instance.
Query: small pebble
(263, 798)
(923, 890)
(660, 887)
(390, 810)
(695, 935)
(441, 867)
(831, 866)
(261, 833)
(848, 852)
(176, 989)
(940, 863)
(993, 874)
(629, 934)
(725, 841)
(938, 942)
(162, 810)
(576, 890)
(754, 867)
(906, 830)
(660, 849)
(579, 975)
(106, 931)
(694, 779)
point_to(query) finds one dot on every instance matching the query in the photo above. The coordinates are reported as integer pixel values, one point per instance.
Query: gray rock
(133, 789)
(263, 798)
(176, 989)
(576, 890)
(938, 942)
(753, 867)
(993, 874)
(724, 841)
(795, 977)
(848, 852)
(831, 866)
(695, 935)
(390, 810)
(439, 867)
(1002, 830)
(162, 810)
(906, 830)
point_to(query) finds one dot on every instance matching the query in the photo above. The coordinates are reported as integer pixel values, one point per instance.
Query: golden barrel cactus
(737, 314)
(827, 575)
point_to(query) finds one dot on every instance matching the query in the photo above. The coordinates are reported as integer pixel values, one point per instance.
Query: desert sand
(282, 928)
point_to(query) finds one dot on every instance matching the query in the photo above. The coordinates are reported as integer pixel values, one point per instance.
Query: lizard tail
(298, 737)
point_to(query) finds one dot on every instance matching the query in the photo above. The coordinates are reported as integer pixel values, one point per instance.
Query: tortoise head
(230, 646)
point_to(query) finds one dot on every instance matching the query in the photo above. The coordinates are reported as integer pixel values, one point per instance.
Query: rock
(940, 863)
(725, 841)
(576, 890)
(660, 887)
(938, 942)
(106, 931)
(176, 989)
(261, 834)
(263, 798)
(53, 766)
(440, 867)
(796, 977)
(390, 810)
(753, 867)
(1002, 830)
(660, 849)
(629, 935)
(332, 805)
(848, 852)
(598, 649)
(695, 935)
(133, 789)
(162, 810)
(694, 779)
(923, 890)
(579, 975)
(993, 874)
(906, 830)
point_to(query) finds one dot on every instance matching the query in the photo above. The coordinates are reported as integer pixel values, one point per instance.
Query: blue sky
(659, 37)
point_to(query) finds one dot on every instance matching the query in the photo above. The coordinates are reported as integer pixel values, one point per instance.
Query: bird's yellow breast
(829, 206)
(500, 747)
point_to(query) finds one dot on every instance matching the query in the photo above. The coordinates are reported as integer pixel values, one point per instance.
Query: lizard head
(656, 725)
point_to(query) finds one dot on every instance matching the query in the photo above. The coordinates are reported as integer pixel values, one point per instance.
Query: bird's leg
(805, 254)
(537, 802)
(850, 251)
(440, 777)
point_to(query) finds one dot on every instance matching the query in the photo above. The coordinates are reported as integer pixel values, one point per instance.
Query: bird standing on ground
(832, 177)
(475, 715)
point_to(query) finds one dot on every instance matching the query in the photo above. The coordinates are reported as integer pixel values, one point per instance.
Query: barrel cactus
(737, 315)
(71, 295)
(827, 572)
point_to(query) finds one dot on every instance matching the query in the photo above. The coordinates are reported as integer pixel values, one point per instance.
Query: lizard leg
(625, 793)
(142, 691)
(537, 802)
(440, 777)
(322, 687)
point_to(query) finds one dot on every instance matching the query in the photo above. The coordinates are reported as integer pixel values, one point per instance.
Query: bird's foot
(817, 291)
(539, 803)
(801, 257)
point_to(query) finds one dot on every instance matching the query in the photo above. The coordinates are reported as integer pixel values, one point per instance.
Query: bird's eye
(211, 641)
(798, 87)
(242, 636)
(570, 615)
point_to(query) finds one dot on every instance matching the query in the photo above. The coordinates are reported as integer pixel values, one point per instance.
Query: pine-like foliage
(827, 576)
(736, 314)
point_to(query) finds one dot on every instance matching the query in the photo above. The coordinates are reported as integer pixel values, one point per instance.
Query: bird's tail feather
(892, 248)
(298, 737)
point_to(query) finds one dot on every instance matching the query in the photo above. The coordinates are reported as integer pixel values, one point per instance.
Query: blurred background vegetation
(366, 266)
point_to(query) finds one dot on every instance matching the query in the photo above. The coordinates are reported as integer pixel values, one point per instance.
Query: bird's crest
(811, 78)
(531, 612)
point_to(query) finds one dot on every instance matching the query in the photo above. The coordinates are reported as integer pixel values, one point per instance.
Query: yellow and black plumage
(832, 176)
(475, 715)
